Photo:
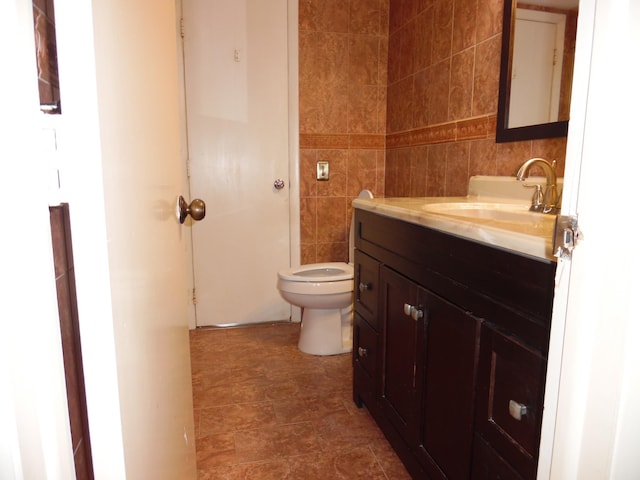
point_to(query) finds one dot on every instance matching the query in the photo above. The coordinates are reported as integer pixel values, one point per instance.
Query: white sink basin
(501, 212)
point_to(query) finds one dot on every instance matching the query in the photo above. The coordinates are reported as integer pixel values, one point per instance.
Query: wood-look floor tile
(215, 450)
(232, 418)
(343, 431)
(276, 442)
(388, 460)
(264, 410)
(304, 408)
(354, 464)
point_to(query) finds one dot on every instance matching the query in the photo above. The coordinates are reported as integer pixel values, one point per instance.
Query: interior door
(119, 138)
(236, 82)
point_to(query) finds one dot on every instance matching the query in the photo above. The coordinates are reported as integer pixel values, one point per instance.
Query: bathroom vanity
(450, 340)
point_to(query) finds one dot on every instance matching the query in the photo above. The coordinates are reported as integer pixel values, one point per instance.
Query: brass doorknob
(197, 209)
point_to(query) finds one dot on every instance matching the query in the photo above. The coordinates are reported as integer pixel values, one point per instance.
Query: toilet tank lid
(318, 272)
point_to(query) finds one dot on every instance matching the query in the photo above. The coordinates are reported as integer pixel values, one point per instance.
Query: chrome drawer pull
(362, 352)
(413, 312)
(517, 410)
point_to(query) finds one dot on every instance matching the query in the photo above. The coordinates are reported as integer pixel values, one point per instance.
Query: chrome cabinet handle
(362, 352)
(364, 286)
(197, 209)
(517, 410)
(413, 312)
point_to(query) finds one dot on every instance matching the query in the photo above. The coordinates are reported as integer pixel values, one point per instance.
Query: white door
(536, 72)
(120, 145)
(236, 81)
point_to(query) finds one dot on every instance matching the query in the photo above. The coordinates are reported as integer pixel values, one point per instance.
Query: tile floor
(264, 410)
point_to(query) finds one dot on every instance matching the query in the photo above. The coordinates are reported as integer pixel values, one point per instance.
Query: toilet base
(326, 332)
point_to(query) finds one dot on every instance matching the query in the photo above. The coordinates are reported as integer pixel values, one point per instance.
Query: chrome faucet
(550, 200)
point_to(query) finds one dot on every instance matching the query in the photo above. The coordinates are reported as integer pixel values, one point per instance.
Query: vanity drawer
(365, 346)
(510, 396)
(365, 363)
(366, 287)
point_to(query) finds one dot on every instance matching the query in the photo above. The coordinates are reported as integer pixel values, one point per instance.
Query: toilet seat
(318, 272)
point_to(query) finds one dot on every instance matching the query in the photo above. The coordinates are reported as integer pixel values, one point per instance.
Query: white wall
(35, 440)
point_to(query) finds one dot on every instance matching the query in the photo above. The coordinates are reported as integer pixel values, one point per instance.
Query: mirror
(536, 69)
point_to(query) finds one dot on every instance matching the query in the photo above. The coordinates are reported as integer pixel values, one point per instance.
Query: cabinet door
(510, 396)
(401, 344)
(448, 383)
(488, 465)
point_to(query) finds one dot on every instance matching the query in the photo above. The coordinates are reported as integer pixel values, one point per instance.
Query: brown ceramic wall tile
(363, 59)
(343, 115)
(423, 43)
(436, 170)
(461, 87)
(419, 169)
(457, 170)
(482, 157)
(361, 172)
(400, 111)
(363, 108)
(489, 19)
(308, 254)
(365, 16)
(443, 27)
(487, 76)
(331, 221)
(439, 93)
(509, 156)
(332, 252)
(398, 171)
(308, 220)
(411, 83)
(400, 12)
(553, 149)
(421, 95)
(464, 24)
(456, 58)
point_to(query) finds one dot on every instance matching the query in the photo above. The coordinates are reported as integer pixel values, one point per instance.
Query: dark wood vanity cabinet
(441, 365)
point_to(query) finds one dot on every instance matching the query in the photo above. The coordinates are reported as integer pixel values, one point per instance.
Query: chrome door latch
(565, 236)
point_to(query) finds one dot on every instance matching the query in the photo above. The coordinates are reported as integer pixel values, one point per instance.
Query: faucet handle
(538, 198)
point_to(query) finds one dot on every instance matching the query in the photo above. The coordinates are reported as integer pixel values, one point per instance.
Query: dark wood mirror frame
(503, 132)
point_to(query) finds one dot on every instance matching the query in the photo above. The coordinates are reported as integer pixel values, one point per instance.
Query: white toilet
(325, 293)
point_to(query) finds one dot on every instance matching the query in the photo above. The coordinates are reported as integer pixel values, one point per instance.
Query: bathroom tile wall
(443, 73)
(343, 59)
(399, 96)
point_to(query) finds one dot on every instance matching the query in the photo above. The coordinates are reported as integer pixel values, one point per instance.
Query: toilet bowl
(324, 291)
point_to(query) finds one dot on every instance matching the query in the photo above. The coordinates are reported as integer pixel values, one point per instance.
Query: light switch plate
(322, 171)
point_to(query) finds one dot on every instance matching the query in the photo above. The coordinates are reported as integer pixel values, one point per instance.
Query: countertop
(532, 238)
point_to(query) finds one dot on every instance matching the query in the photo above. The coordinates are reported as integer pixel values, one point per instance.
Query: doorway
(241, 115)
